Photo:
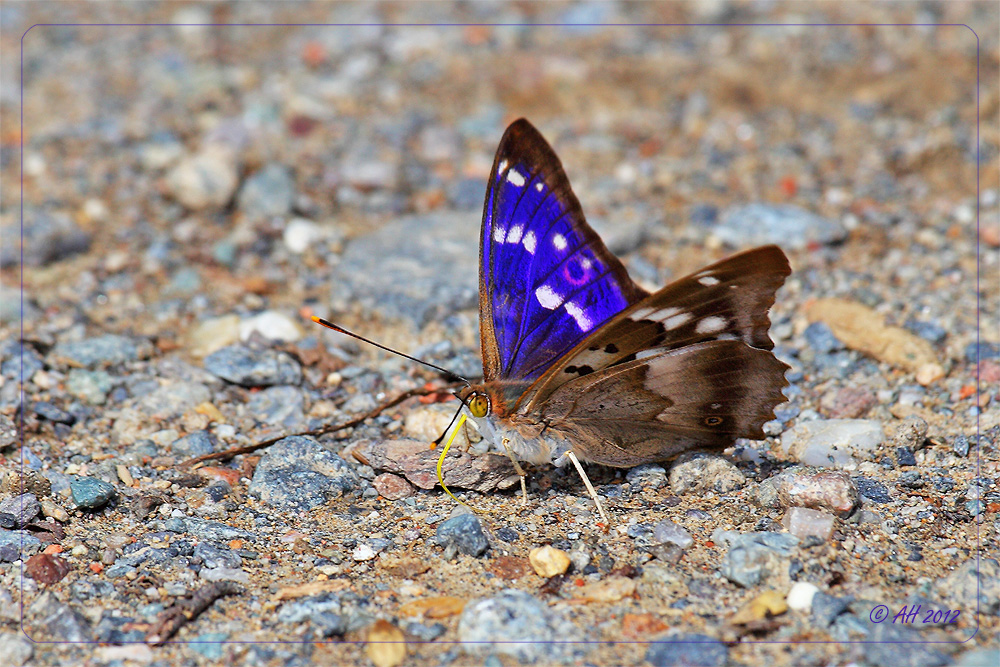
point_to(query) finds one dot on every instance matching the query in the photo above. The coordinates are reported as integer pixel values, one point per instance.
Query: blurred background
(176, 172)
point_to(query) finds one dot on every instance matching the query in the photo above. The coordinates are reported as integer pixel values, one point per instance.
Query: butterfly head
(476, 400)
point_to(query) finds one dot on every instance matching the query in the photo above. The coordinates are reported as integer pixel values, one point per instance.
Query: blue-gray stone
(754, 557)
(820, 337)
(516, 623)
(207, 530)
(53, 413)
(871, 490)
(892, 645)
(905, 457)
(17, 544)
(960, 445)
(267, 193)
(425, 633)
(979, 657)
(209, 644)
(930, 331)
(790, 226)
(119, 570)
(253, 368)
(278, 406)
(432, 273)
(90, 493)
(703, 215)
(13, 354)
(213, 556)
(826, 608)
(687, 650)
(22, 509)
(298, 473)
(980, 351)
(66, 624)
(89, 386)
(194, 444)
(106, 350)
(306, 608)
(465, 532)
(45, 237)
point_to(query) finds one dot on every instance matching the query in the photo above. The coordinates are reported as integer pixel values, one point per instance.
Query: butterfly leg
(590, 487)
(518, 469)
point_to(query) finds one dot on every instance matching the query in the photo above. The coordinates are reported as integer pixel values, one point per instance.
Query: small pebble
(803, 522)
(465, 533)
(393, 487)
(21, 509)
(700, 473)
(684, 650)
(91, 493)
(547, 561)
(801, 595)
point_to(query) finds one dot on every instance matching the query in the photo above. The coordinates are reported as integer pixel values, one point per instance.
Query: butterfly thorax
(527, 437)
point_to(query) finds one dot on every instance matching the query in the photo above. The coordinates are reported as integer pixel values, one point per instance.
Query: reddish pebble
(393, 487)
(989, 371)
(96, 568)
(46, 568)
(227, 475)
(53, 549)
(852, 402)
(313, 54)
(789, 186)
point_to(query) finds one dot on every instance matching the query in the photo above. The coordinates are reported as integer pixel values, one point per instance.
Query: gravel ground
(192, 193)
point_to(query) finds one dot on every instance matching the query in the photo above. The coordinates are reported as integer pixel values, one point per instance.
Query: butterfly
(580, 363)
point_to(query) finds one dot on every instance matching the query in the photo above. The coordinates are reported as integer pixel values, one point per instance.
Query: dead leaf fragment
(436, 607)
(386, 645)
(861, 328)
(766, 605)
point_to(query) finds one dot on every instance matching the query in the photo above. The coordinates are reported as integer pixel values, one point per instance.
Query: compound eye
(479, 405)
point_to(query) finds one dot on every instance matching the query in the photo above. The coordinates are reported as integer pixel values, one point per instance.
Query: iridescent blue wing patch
(546, 279)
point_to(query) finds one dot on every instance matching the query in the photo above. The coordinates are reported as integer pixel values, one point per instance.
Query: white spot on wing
(675, 321)
(710, 325)
(529, 242)
(665, 313)
(708, 281)
(539, 186)
(641, 314)
(580, 316)
(501, 166)
(559, 241)
(498, 234)
(514, 234)
(548, 298)
(515, 178)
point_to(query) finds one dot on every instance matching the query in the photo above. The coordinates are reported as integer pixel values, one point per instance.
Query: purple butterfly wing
(546, 279)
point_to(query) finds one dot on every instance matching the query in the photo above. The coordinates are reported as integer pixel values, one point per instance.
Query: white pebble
(801, 596)
(271, 325)
(363, 552)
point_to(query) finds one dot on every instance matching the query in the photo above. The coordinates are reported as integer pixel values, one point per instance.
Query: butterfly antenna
(331, 325)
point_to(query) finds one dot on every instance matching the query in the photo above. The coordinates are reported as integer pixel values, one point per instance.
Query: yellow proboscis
(444, 452)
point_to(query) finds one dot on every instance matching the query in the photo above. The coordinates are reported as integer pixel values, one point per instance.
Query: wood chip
(436, 607)
(403, 567)
(766, 605)
(861, 328)
(311, 588)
